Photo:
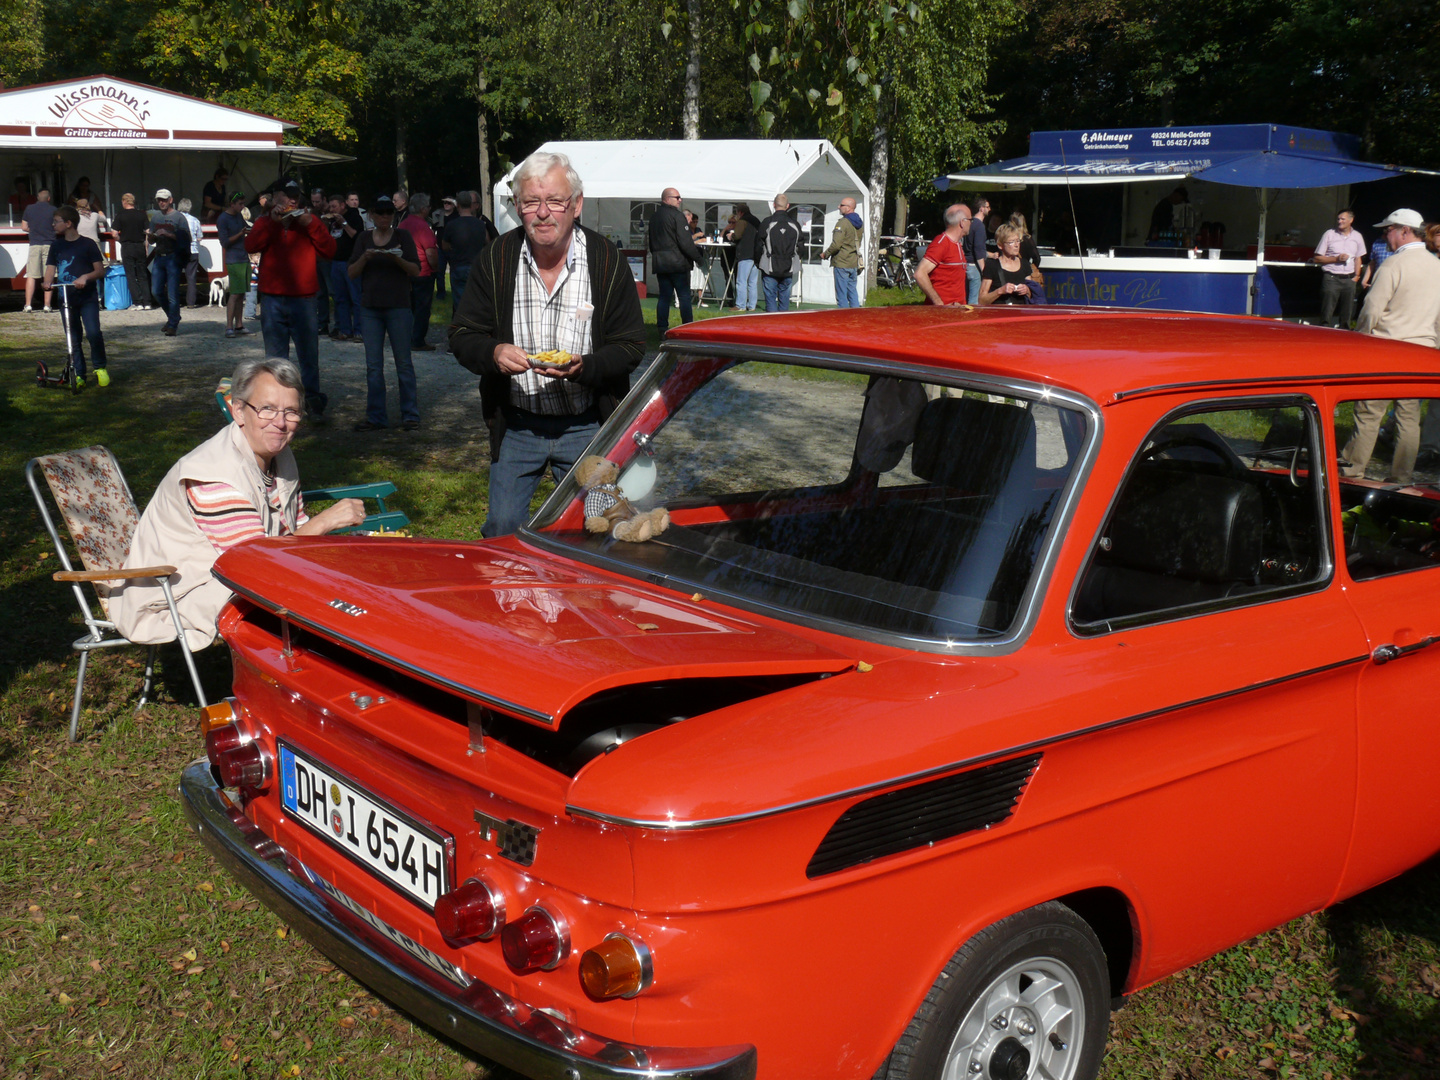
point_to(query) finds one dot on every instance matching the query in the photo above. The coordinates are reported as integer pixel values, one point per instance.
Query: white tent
(624, 179)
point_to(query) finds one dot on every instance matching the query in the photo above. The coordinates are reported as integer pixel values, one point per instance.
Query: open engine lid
(508, 627)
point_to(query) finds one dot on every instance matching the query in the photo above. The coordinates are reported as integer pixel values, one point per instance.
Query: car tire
(1031, 990)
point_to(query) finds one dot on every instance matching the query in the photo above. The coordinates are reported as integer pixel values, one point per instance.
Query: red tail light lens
(537, 941)
(617, 967)
(474, 910)
(239, 763)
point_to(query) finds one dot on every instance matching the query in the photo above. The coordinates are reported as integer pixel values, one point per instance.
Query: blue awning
(1242, 155)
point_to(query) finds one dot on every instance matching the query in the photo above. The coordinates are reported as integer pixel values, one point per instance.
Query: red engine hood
(506, 625)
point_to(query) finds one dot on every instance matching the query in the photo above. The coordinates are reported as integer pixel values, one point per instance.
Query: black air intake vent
(921, 814)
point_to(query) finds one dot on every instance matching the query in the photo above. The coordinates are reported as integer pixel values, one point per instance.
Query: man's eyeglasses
(555, 206)
(268, 414)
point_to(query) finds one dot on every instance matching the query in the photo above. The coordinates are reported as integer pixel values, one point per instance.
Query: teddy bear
(606, 508)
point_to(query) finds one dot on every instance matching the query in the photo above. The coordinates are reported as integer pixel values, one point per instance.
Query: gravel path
(449, 400)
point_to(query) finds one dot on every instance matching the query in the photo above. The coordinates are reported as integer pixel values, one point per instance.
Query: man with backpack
(779, 243)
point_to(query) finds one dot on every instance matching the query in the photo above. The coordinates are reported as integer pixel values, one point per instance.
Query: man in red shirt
(941, 273)
(289, 239)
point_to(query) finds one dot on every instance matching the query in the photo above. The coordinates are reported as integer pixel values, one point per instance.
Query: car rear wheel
(1025, 999)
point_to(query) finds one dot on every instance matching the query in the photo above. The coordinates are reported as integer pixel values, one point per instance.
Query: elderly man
(239, 484)
(844, 254)
(941, 274)
(1338, 255)
(1404, 304)
(672, 254)
(555, 285)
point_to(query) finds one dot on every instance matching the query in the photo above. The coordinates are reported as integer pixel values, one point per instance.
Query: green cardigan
(485, 318)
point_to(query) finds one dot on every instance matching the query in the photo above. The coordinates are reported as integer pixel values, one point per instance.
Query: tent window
(812, 239)
(640, 214)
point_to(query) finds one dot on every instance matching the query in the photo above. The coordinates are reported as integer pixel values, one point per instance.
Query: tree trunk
(401, 175)
(690, 119)
(481, 124)
(902, 214)
(879, 173)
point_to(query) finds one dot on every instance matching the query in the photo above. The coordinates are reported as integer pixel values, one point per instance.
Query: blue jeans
(531, 443)
(459, 277)
(85, 314)
(165, 284)
(846, 292)
(375, 323)
(674, 286)
(346, 307)
(747, 285)
(422, 299)
(294, 318)
(972, 283)
(777, 293)
(322, 297)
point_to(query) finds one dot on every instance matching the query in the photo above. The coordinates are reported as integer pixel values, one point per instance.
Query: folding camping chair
(381, 521)
(99, 513)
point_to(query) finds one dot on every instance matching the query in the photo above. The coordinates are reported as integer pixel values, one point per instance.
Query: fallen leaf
(346, 1021)
(95, 965)
(64, 998)
(697, 597)
(224, 946)
(196, 970)
(647, 626)
(190, 954)
(227, 1043)
(862, 667)
(205, 886)
(282, 932)
(91, 842)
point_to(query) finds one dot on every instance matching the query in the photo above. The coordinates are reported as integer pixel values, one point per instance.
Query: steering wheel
(1232, 467)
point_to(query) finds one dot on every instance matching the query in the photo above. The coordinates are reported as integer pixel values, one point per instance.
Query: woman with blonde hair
(1006, 279)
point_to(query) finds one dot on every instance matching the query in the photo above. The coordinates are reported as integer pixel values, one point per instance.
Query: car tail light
(537, 941)
(240, 762)
(474, 910)
(618, 967)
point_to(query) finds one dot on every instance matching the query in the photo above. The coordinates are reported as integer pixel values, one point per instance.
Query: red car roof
(1102, 353)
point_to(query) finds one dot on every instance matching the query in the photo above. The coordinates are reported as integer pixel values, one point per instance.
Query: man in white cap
(170, 235)
(1404, 304)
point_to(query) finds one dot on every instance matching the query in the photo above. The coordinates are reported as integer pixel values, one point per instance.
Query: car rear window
(875, 501)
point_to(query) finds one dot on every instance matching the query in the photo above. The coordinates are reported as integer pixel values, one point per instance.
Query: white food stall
(126, 136)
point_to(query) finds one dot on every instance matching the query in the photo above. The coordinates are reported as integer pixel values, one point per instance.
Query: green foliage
(22, 44)
(1366, 69)
(845, 68)
(292, 60)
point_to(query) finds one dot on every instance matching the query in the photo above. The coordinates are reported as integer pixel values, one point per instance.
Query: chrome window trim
(1034, 595)
(1221, 385)
(1320, 467)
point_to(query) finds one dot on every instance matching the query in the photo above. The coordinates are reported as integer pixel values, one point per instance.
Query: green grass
(125, 950)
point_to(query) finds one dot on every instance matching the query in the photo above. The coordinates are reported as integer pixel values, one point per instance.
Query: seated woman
(1007, 279)
(239, 484)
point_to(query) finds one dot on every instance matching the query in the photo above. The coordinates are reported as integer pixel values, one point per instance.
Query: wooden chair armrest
(113, 575)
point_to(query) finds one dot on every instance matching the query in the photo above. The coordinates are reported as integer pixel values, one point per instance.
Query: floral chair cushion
(96, 504)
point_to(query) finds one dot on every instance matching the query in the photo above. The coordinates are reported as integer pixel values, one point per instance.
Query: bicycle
(899, 258)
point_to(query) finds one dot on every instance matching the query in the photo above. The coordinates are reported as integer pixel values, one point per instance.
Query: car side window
(1219, 508)
(1387, 527)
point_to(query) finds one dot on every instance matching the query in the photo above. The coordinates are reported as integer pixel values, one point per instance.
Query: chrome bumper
(480, 1017)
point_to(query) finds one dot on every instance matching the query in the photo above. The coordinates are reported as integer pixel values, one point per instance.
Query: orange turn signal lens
(219, 714)
(618, 967)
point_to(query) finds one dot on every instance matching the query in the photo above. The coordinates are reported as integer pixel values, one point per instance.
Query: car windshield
(884, 504)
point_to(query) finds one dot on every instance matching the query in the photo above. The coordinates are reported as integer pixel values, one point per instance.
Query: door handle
(1383, 654)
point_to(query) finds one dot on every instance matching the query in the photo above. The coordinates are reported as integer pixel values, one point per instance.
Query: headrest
(973, 444)
(1194, 525)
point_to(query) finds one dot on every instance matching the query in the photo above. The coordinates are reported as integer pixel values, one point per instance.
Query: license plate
(392, 845)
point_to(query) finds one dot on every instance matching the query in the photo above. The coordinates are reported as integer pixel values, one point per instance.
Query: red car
(992, 664)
